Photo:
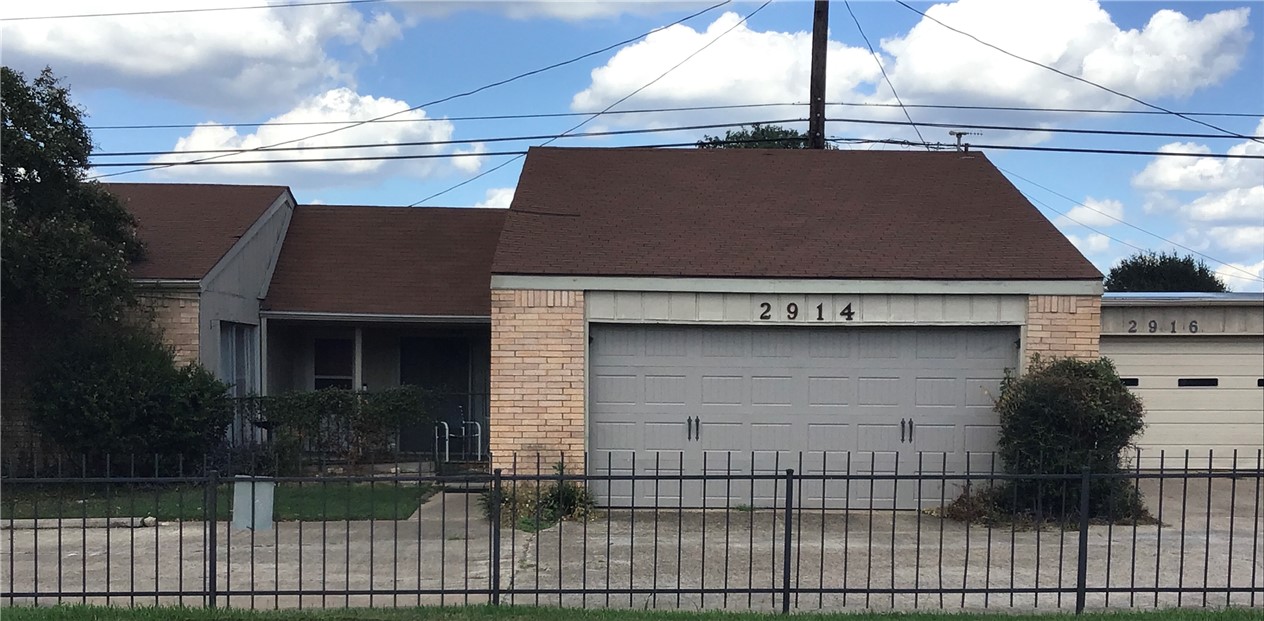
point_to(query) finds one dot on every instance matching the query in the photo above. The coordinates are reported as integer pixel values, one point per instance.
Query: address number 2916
(792, 312)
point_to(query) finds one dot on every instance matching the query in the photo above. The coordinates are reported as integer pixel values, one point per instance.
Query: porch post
(358, 374)
(263, 356)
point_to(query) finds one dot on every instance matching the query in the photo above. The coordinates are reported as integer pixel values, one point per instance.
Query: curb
(81, 523)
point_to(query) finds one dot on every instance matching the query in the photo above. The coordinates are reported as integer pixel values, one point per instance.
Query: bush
(117, 390)
(352, 427)
(532, 507)
(1062, 416)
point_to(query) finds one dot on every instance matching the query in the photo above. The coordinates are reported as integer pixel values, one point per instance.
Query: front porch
(449, 358)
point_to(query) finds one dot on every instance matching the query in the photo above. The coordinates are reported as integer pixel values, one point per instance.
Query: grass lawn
(293, 501)
(485, 613)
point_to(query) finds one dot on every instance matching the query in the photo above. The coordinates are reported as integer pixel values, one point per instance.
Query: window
(238, 357)
(1192, 382)
(1130, 381)
(334, 363)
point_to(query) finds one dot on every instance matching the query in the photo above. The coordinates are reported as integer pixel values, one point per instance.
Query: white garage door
(673, 400)
(1201, 394)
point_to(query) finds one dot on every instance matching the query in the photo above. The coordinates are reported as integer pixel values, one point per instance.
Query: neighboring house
(754, 310)
(210, 254)
(1197, 362)
(376, 297)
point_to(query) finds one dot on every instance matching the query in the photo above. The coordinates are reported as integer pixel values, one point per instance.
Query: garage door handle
(910, 430)
(902, 421)
(697, 428)
(688, 427)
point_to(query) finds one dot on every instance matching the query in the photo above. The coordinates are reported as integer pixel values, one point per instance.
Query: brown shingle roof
(387, 260)
(777, 214)
(188, 227)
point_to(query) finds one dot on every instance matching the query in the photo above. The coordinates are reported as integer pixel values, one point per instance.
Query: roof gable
(431, 261)
(188, 228)
(778, 213)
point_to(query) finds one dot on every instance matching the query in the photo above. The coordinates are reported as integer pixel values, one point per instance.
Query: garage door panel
(937, 391)
(831, 436)
(830, 391)
(982, 391)
(1218, 399)
(772, 390)
(1144, 346)
(878, 391)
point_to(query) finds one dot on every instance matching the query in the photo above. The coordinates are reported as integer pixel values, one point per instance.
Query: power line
(1126, 223)
(432, 143)
(200, 10)
(1037, 109)
(1052, 130)
(606, 109)
(886, 77)
(1076, 77)
(488, 117)
(547, 115)
(1077, 222)
(443, 99)
(662, 129)
(874, 141)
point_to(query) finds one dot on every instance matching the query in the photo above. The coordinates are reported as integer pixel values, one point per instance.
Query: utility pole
(816, 97)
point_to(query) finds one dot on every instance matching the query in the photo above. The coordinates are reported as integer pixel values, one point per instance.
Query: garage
(1197, 362)
(737, 400)
(665, 313)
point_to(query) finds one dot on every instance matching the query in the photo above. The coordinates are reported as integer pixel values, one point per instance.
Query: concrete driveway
(446, 545)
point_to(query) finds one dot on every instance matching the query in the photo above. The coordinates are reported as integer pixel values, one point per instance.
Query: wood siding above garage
(829, 309)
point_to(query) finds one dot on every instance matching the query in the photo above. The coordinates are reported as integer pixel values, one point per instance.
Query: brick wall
(176, 314)
(1064, 326)
(537, 377)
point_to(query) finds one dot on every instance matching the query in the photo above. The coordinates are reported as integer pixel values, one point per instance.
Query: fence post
(210, 523)
(1081, 571)
(497, 500)
(785, 547)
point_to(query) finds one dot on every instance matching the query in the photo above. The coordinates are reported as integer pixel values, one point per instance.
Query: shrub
(531, 506)
(350, 426)
(1062, 416)
(117, 390)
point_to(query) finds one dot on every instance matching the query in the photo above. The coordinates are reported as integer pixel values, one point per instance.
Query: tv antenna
(958, 134)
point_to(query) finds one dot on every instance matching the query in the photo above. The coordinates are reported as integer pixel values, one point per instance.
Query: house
(1197, 362)
(657, 312)
(859, 308)
(376, 297)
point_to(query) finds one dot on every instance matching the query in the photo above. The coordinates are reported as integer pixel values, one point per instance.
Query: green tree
(78, 354)
(67, 242)
(757, 137)
(1159, 272)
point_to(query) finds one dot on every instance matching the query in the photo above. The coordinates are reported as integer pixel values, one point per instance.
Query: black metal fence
(805, 535)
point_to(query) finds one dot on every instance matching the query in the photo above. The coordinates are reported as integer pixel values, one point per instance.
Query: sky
(219, 74)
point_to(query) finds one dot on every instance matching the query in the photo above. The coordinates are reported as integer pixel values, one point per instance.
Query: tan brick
(1063, 326)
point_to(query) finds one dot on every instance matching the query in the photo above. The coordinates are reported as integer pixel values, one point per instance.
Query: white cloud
(497, 197)
(1094, 212)
(1232, 189)
(1092, 243)
(1171, 56)
(1233, 276)
(1203, 173)
(744, 66)
(1245, 239)
(242, 59)
(337, 104)
(1237, 204)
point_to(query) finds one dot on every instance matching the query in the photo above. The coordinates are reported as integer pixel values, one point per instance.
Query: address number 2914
(792, 312)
